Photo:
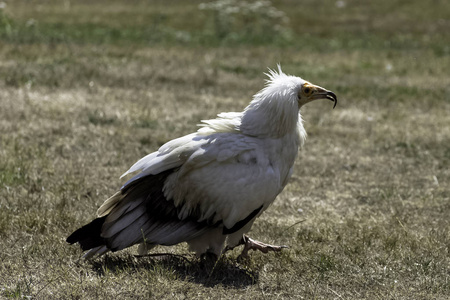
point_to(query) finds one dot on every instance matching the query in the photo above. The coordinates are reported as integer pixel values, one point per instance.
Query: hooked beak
(321, 93)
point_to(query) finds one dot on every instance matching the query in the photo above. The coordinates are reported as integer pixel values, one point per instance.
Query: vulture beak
(321, 93)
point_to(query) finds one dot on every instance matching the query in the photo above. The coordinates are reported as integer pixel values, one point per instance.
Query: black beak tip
(332, 96)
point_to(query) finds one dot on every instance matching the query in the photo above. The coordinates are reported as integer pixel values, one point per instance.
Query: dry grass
(370, 197)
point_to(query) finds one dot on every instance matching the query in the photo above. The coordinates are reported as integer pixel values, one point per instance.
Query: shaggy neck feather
(270, 116)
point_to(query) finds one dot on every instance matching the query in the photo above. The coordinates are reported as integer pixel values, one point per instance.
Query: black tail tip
(88, 236)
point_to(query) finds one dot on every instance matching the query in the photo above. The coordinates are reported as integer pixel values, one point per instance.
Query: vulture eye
(308, 91)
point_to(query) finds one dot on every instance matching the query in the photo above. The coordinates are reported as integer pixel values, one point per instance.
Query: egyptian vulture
(208, 187)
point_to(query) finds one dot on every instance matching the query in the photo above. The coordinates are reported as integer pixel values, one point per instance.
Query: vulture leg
(250, 244)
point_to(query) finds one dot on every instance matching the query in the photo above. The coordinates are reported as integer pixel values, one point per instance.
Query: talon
(250, 244)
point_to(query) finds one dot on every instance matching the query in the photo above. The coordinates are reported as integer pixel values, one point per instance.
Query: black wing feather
(242, 223)
(88, 236)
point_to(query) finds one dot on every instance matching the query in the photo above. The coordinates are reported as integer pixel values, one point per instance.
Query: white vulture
(208, 187)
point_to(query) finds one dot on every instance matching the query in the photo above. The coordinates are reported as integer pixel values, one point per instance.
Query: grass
(87, 89)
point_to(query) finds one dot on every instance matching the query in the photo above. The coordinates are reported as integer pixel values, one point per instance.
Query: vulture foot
(250, 244)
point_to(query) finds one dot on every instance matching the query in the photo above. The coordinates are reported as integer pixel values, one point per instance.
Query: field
(86, 89)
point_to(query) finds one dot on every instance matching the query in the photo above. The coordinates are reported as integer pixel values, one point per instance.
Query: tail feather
(100, 250)
(127, 236)
(112, 226)
(88, 236)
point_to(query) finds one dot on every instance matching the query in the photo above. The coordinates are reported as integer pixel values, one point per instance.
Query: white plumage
(207, 188)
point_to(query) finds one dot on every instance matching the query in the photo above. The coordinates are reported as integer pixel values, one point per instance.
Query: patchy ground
(86, 90)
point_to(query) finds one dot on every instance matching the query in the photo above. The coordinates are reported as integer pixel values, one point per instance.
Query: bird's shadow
(225, 271)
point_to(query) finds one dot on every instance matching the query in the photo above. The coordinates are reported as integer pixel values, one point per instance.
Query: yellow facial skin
(310, 92)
